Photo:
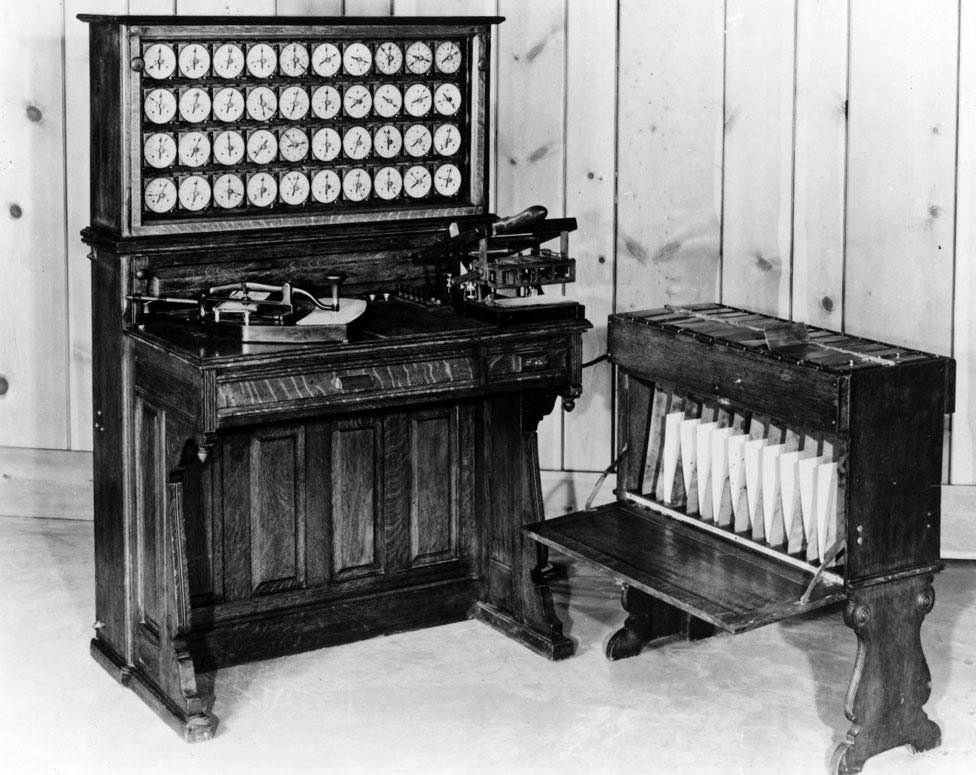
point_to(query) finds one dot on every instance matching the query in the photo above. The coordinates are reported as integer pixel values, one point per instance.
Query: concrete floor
(462, 698)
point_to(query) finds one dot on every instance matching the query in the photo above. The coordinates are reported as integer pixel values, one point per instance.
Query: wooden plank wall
(812, 159)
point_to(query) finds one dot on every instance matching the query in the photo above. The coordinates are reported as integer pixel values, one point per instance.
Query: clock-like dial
(447, 139)
(160, 106)
(228, 191)
(228, 147)
(417, 182)
(293, 102)
(261, 60)
(447, 56)
(228, 60)
(293, 60)
(228, 104)
(417, 99)
(194, 149)
(262, 103)
(262, 146)
(356, 184)
(388, 183)
(194, 193)
(389, 58)
(387, 100)
(293, 144)
(194, 60)
(262, 189)
(159, 150)
(326, 144)
(419, 57)
(160, 195)
(294, 187)
(326, 59)
(417, 140)
(447, 180)
(387, 141)
(159, 61)
(357, 101)
(357, 59)
(356, 142)
(447, 99)
(326, 102)
(326, 186)
(194, 105)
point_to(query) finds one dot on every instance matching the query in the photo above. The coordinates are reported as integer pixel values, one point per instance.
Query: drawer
(527, 361)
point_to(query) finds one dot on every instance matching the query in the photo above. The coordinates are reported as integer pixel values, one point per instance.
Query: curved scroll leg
(891, 680)
(651, 619)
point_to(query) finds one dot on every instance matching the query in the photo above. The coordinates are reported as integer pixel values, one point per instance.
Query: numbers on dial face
(159, 61)
(293, 144)
(357, 59)
(294, 59)
(293, 102)
(228, 104)
(356, 184)
(261, 60)
(447, 180)
(447, 99)
(262, 146)
(357, 101)
(159, 150)
(417, 100)
(447, 56)
(194, 60)
(326, 144)
(387, 141)
(388, 183)
(356, 142)
(447, 139)
(160, 106)
(194, 149)
(194, 105)
(419, 58)
(387, 100)
(326, 186)
(389, 58)
(228, 191)
(261, 103)
(228, 147)
(326, 59)
(160, 195)
(417, 140)
(326, 102)
(194, 193)
(228, 60)
(294, 187)
(262, 189)
(417, 182)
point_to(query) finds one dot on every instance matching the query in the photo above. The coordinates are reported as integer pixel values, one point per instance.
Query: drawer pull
(534, 362)
(354, 382)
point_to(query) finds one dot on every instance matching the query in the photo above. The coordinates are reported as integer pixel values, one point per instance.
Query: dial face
(293, 102)
(388, 183)
(356, 184)
(357, 59)
(160, 106)
(326, 186)
(194, 105)
(228, 60)
(228, 147)
(387, 141)
(294, 59)
(261, 60)
(356, 142)
(417, 100)
(160, 195)
(261, 103)
(417, 182)
(326, 59)
(194, 193)
(262, 146)
(417, 140)
(357, 101)
(447, 57)
(326, 144)
(419, 58)
(447, 180)
(194, 60)
(447, 139)
(194, 149)
(326, 102)
(389, 58)
(293, 144)
(159, 61)
(447, 99)
(261, 189)
(387, 100)
(294, 187)
(159, 150)
(228, 104)
(228, 191)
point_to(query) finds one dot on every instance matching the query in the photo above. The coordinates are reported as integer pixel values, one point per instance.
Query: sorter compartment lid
(724, 583)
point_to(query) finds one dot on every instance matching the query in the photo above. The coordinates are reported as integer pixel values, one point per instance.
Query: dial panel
(236, 127)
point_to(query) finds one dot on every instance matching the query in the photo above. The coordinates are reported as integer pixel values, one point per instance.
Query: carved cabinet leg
(650, 619)
(891, 680)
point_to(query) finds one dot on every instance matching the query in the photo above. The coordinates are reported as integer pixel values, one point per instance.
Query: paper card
(703, 467)
(826, 507)
(772, 505)
(689, 464)
(721, 496)
(752, 455)
(789, 478)
(737, 482)
(671, 490)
